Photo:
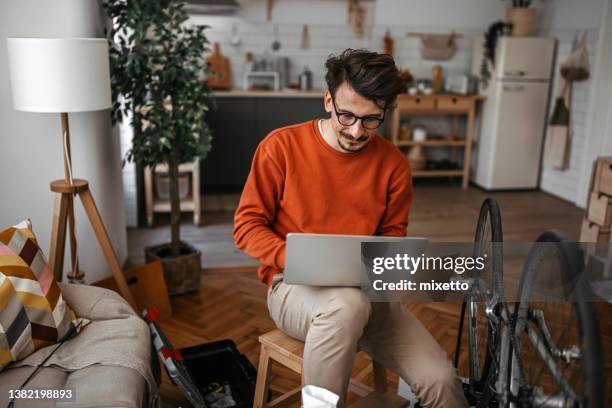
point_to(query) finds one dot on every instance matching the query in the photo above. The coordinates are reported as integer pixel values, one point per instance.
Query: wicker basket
(183, 273)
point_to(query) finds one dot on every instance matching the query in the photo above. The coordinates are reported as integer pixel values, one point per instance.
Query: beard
(350, 144)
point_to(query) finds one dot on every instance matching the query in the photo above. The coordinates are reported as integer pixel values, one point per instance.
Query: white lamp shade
(59, 74)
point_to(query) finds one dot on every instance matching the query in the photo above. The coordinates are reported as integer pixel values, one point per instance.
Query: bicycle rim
(483, 336)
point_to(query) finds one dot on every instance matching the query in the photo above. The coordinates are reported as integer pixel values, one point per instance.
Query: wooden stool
(279, 347)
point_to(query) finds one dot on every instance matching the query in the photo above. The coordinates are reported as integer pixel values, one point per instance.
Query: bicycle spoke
(556, 358)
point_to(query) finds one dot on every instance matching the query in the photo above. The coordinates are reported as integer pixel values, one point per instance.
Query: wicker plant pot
(182, 273)
(522, 19)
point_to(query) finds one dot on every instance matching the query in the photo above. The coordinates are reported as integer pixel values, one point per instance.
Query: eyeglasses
(349, 119)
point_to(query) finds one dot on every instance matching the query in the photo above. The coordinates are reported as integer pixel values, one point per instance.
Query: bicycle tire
(571, 255)
(480, 357)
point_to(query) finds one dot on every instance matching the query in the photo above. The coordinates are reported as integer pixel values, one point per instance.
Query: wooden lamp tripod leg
(105, 244)
(58, 236)
(75, 275)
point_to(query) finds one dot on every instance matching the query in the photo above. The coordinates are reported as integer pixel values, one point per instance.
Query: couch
(110, 363)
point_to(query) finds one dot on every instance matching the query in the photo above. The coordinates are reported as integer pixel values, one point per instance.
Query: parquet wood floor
(232, 305)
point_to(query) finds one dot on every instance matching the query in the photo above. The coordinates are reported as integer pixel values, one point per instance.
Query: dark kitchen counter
(239, 121)
(286, 93)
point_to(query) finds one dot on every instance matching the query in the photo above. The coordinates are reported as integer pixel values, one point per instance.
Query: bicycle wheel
(485, 292)
(556, 356)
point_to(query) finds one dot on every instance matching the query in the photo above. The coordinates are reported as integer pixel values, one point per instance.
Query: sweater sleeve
(257, 210)
(399, 201)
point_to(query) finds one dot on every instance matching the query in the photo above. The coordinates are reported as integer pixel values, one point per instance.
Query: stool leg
(263, 378)
(380, 377)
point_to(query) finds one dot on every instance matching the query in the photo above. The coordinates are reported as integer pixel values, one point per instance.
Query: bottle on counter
(305, 80)
(249, 64)
(436, 73)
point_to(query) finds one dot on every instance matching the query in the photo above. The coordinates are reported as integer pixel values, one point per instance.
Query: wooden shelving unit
(432, 143)
(448, 105)
(191, 203)
(437, 173)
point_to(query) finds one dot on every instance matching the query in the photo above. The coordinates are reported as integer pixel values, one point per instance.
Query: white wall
(563, 19)
(570, 14)
(442, 14)
(31, 154)
(599, 128)
(330, 33)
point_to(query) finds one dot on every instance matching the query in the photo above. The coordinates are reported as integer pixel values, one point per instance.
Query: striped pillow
(33, 313)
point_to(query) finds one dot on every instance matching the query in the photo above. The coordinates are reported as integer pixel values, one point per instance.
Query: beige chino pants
(333, 322)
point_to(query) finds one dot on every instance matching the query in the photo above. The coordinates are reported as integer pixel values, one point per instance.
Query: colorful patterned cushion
(33, 313)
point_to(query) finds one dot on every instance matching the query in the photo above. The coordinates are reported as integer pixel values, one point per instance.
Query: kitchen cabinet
(239, 121)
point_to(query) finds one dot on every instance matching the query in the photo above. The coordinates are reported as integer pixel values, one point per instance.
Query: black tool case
(201, 370)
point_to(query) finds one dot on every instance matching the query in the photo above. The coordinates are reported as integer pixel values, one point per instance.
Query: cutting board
(220, 76)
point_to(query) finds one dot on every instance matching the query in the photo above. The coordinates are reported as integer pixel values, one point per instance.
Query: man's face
(352, 138)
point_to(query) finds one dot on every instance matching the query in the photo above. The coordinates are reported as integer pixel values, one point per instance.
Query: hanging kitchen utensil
(388, 43)
(235, 39)
(558, 136)
(557, 147)
(349, 12)
(276, 44)
(305, 37)
(269, 6)
(355, 16)
(358, 19)
(576, 66)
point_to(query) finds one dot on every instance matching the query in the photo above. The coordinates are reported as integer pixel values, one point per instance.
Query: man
(338, 176)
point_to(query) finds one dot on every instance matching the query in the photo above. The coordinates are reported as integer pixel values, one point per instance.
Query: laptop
(333, 260)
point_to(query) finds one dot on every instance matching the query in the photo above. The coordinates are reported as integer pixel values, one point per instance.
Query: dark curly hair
(372, 75)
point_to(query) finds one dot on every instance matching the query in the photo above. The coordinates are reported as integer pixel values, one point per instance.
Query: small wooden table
(191, 203)
(442, 104)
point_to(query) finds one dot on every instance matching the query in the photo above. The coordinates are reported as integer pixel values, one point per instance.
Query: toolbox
(210, 375)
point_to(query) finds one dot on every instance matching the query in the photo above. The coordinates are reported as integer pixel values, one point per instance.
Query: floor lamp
(63, 75)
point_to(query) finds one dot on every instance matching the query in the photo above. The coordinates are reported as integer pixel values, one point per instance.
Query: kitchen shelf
(433, 143)
(437, 173)
(441, 104)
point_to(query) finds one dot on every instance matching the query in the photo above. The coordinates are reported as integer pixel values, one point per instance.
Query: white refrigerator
(513, 118)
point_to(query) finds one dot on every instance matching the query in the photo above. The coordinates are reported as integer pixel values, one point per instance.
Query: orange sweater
(298, 183)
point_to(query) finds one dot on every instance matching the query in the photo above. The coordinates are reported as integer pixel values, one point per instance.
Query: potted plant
(522, 17)
(157, 70)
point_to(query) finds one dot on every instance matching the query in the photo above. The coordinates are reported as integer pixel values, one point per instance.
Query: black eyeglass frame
(355, 117)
